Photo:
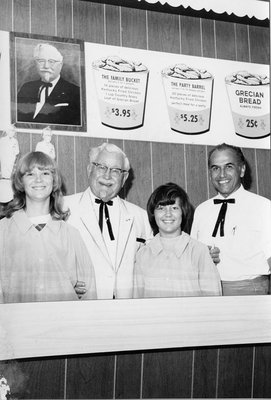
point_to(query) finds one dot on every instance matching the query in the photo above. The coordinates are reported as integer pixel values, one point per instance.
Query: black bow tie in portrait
(221, 216)
(45, 86)
(103, 206)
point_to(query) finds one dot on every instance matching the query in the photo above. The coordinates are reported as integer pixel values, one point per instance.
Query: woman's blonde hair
(40, 160)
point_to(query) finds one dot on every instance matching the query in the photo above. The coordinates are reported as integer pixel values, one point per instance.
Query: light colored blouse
(175, 267)
(42, 265)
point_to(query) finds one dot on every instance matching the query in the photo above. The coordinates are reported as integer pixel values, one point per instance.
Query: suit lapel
(125, 226)
(88, 218)
(56, 90)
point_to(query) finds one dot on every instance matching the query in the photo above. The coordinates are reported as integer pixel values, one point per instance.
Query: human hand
(80, 288)
(214, 253)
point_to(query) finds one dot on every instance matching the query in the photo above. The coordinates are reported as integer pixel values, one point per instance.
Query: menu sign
(189, 97)
(164, 97)
(136, 94)
(121, 89)
(249, 99)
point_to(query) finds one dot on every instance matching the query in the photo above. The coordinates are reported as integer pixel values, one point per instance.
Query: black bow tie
(44, 85)
(103, 206)
(221, 216)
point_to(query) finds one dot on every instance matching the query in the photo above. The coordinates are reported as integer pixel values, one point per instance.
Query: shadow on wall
(128, 184)
(247, 179)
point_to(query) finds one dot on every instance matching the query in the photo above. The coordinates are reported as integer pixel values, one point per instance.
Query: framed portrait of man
(47, 82)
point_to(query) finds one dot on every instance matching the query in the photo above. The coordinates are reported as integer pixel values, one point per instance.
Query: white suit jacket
(133, 229)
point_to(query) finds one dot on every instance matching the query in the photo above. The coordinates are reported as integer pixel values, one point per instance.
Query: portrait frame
(23, 70)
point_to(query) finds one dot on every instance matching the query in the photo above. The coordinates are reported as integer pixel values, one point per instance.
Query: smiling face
(106, 185)
(226, 171)
(168, 219)
(38, 185)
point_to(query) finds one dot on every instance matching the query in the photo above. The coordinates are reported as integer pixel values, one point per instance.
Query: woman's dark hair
(167, 194)
(26, 164)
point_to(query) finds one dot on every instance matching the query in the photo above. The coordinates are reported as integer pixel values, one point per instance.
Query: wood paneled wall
(240, 371)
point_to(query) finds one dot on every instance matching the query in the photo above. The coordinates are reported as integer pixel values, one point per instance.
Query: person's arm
(214, 253)
(144, 225)
(209, 279)
(85, 286)
(138, 288)
(195, 234)
(80, 288)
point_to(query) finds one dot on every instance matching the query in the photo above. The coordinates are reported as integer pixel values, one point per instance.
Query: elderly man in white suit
(113, 229)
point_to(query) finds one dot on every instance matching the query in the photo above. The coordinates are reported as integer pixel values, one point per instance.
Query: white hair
(42, 46)
(111, 148)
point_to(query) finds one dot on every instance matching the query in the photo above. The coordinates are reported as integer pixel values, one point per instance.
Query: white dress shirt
(40, 103)
(114, 215)
(246, 246)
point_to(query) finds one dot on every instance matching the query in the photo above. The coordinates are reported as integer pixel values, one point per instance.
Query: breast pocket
(246, 240)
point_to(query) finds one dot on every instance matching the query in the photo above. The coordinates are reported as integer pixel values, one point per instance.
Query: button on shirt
(182, 267)
(246, 246)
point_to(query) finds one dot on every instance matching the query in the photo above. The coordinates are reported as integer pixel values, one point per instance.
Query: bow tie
(221, 216)
(103, 206)
(44, 85)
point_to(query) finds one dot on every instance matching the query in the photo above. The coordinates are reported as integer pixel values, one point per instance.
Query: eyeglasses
(102, 169)
(42, 61)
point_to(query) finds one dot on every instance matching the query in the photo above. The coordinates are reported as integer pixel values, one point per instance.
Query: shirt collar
(54, 82)
(24, 224)
(235, 195)
(156, 245)
(93, 197)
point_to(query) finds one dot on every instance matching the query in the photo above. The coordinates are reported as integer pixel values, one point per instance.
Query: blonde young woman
(42, 258)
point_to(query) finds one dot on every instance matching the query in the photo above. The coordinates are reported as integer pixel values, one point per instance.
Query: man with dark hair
(224, 146)
(238, 222)
(51, 99)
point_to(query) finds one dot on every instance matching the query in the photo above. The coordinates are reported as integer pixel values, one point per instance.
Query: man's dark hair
(225, 146)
